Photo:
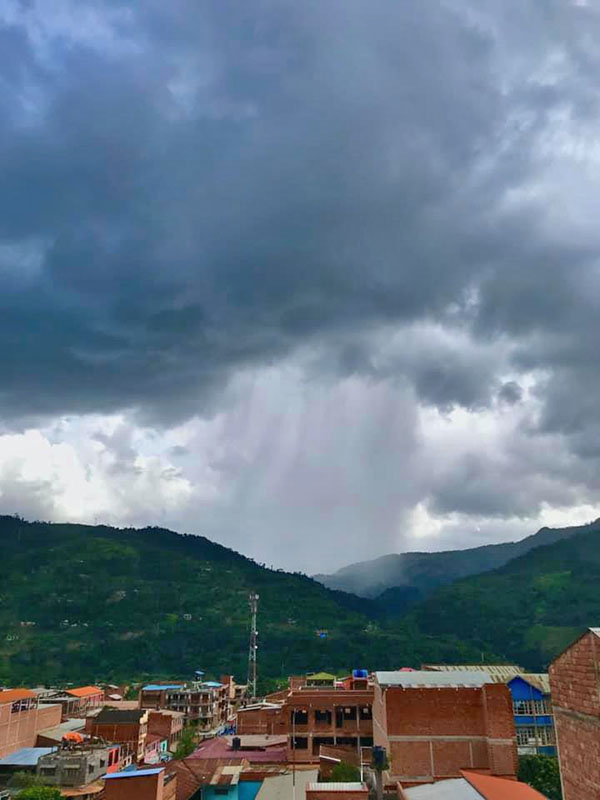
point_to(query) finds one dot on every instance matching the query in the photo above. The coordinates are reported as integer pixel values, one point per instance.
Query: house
(128, 728)
(78, 701)
(259, 718)
(433, 724)
(23, 760)
(78, 764)
(22, 716)
(168, 725)
(203, 703)
(575, 685)
(214, 779)
(142, 784)
(534, 718)
(471, 785)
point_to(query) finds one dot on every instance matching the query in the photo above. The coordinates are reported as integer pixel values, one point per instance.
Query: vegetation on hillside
(542, 773)
(528, 610)
(83, 603)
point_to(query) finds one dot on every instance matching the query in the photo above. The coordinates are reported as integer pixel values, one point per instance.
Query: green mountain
(528, 610)
(399, 580)
(84, 603)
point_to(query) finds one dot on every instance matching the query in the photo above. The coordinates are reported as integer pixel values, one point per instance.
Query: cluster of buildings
(430, 734)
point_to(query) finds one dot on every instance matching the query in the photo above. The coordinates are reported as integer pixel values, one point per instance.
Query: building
(78, 764)
(53, 737)
(22, 716)
(78, 701)
(575, 685)
(534, 718)
(141, 784)
(203, 703)
(167, 725)
(259, 718)
(23, 760)
(471, 786)
(433, 724)
(128, 728)
(532, 706)
(313, 716)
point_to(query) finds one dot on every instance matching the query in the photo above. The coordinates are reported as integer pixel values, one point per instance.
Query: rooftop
(118, 716)
(133, 773)
(84, 691)
(492, 788)
(337, 787)
(499, 673)
(11, 695)
(220, 747)
(452, 789)
(422, 679)
(25, 757)
(161, 687)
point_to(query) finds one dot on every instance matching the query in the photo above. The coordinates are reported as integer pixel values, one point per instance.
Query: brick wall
(322, 794)
(20, 729)
(260, 721)
(142, 787)
(575, 685)
(433, 733)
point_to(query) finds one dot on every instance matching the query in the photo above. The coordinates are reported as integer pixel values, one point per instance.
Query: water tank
(236, 743)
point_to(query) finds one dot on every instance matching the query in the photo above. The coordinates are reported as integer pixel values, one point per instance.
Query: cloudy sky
(319, 280)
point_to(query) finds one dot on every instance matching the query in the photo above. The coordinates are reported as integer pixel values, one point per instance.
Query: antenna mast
(253, 602)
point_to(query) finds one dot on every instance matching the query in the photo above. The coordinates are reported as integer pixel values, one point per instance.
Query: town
(441, 731)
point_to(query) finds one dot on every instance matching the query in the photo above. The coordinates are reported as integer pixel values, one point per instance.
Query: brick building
(259, 718)
(128, 728)
(22, 716)
(143, 784)
(166, 724)
(575, 687)
(435, 724)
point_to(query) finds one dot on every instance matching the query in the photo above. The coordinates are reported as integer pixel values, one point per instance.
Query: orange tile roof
(12, 695)
(492, 788)
(84, 691)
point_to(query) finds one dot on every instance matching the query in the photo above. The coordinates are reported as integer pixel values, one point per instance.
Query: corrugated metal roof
(452, 789)
(135, 773)
(541, 680)
(26, 757)
(12, 695)
(212, 684)
(157, 687)
(423, 679)
(336, 787)
(499, 673)
(84, 691)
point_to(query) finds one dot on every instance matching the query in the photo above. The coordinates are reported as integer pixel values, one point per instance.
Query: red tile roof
(220, 747)
(84, 691)
(197, 772)
(12, 695)
(492, 788)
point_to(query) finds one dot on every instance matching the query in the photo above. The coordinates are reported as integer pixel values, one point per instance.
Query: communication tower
(253, 602)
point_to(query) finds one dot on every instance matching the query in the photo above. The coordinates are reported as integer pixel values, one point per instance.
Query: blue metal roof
(213, 684)
(157, 687)
(26, 757)
(137, 773)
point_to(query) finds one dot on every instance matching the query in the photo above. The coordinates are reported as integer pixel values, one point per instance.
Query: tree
(541, 772)
(40, 793)
(345, 773)
(187, 743)
(24, 780)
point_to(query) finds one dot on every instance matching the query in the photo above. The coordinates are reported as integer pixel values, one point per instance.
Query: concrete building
(143, 784)
(203, 703)
(22, 716)
(128, 728)
(23, 760)
(575, 686)
(433, 724)
(78, 765)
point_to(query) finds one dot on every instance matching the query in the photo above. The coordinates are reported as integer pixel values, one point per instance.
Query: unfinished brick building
(21, 719)
(435, 724)
(575, 687)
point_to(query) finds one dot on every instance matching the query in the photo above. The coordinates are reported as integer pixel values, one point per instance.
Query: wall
(20, 729)
(575, 684)
(333, 795)
(143, 787)
(434, 732)
(259, 721)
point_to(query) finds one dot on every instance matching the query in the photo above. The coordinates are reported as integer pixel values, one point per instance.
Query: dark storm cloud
(193, 188)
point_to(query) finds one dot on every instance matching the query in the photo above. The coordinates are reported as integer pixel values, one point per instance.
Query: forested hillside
(88, 603)
(528, 610)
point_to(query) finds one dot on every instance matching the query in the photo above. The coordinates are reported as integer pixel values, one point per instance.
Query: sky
(317, 280)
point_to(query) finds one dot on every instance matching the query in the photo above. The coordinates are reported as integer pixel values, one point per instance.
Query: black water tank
(236, 743)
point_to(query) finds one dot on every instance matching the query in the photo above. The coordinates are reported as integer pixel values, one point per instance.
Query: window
(299, 716)
(300, 743)
(323, 716)
(48, 770)
(532, 735)
(102, 762)
(366, 712)
(531, 707)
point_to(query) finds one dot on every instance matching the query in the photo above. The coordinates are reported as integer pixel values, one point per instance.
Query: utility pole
(253, 602)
